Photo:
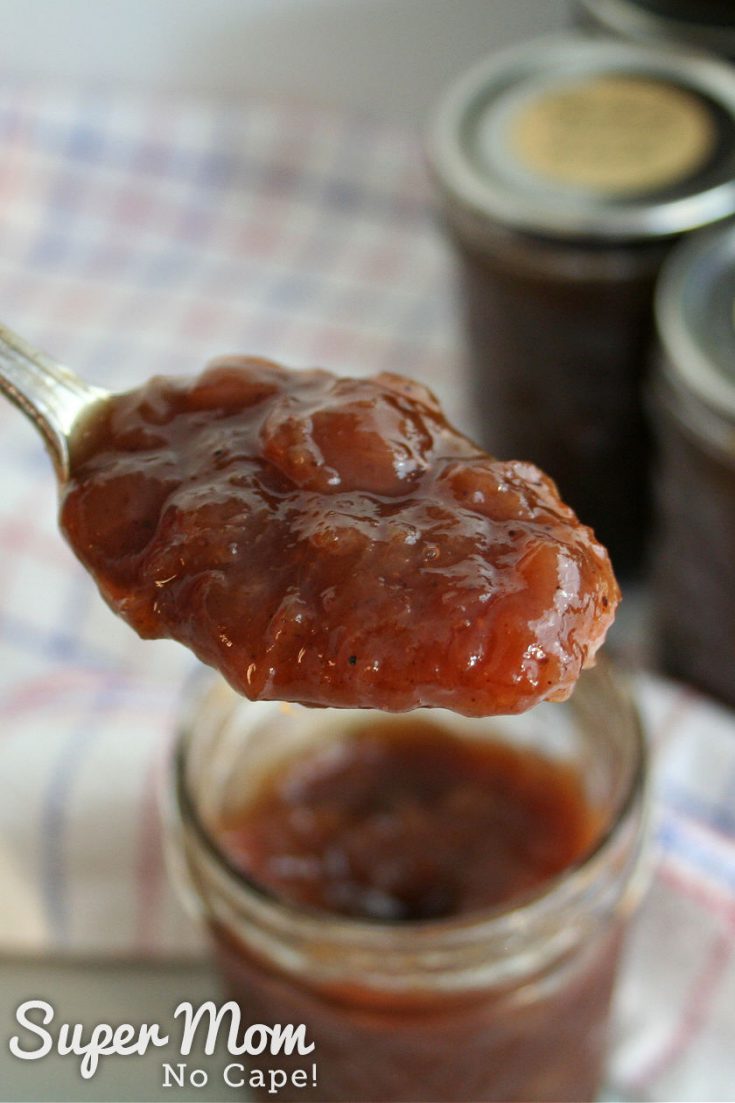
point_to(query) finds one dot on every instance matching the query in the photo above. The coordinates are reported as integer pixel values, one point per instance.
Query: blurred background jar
(699, 24)
(693, 400)
(507, 1003)
(566, 170)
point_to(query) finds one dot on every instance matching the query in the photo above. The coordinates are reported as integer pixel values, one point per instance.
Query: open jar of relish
(440, 901)
(693, 402)
(566, 170)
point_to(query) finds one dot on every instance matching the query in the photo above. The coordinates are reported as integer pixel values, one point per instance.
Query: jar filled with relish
(439, 901)
(693, 401)
(566, 170)
(698, 24)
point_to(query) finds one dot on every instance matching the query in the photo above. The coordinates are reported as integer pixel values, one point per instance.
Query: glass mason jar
(506, 1004)
(693, 405)
(566, 169)
(701, 24)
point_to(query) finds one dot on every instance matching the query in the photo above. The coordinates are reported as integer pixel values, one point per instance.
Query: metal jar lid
(705, 24)
(695, 317)
(573, 95)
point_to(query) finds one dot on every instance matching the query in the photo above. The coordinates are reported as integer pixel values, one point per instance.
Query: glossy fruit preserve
(404, 821)
(334, 541)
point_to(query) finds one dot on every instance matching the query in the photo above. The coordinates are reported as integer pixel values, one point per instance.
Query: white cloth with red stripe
(142, 236)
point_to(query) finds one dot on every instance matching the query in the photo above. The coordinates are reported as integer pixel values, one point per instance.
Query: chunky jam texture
(405, 821)
(335, 542)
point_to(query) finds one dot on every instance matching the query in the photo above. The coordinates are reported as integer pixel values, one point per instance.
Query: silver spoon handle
(49, 394)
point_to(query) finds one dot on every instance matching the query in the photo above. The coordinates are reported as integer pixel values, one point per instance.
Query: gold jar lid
(580, 137)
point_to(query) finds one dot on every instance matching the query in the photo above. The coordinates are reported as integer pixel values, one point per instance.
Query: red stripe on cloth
(49, 688)
(692, 887)
(19, 537)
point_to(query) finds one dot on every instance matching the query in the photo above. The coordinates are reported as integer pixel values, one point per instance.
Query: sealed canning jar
(503, 1003)
(566, 169)
(702, 24)
(694, 406)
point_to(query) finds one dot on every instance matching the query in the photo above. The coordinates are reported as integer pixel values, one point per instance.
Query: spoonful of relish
(320, 539)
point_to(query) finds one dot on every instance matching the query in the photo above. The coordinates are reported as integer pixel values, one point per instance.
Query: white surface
(385, 57)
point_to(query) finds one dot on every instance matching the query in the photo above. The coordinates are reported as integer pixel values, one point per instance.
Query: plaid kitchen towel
(141, 236)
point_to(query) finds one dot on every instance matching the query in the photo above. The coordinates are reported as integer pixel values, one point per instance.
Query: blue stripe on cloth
(51, 246)
(678, 841)
(256, 175)
(727, 799)
(720, 816)
(87, 142)
(54, 643)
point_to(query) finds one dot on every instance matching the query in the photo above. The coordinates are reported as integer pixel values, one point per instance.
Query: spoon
(50, 395)
(302, 589)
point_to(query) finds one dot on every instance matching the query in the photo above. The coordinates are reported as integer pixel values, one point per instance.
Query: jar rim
(702, 198)
(694, 307)
(518, 912)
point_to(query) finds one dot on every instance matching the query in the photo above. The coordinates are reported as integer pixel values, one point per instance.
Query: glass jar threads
(509, 1002)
